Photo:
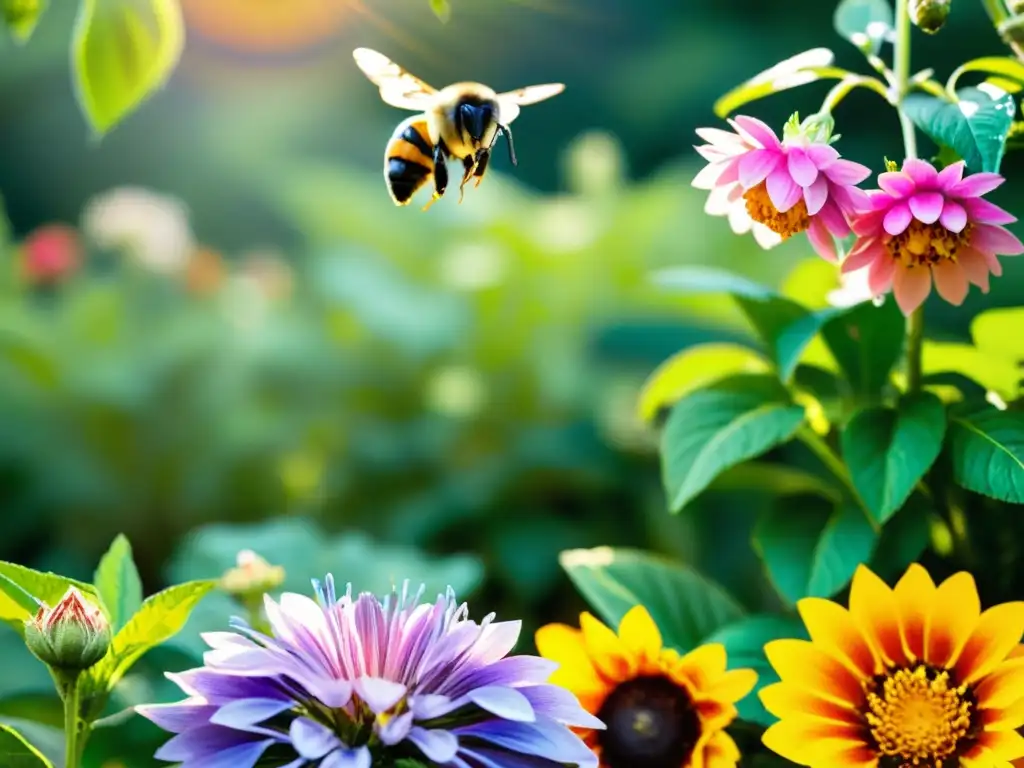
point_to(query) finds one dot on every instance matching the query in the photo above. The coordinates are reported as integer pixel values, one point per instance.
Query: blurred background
(217, 332)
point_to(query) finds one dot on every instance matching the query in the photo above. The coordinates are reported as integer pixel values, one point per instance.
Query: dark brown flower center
(650, 722)
(919, 716)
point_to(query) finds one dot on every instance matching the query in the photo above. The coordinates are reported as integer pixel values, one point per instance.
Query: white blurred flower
(853, 289)
(151, 228)
(566, 225)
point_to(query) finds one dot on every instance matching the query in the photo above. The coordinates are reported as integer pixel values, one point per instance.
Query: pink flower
(779, 188)
(50, 254)
(923, 223)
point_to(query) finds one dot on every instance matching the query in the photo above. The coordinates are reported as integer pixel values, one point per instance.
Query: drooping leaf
(123, 51)
(975, 126)
(865, 23)
(22, 17)
(716, 428)
(987, 367)
(117, 582)
(888, 450)
(744, 642)
(692, 368)
(16, 752)
(159, 618)
(686, 606)
(987, 449)
(866, 342)
(812, 549)
(807, 67)
(46, 587)
(1006, 67)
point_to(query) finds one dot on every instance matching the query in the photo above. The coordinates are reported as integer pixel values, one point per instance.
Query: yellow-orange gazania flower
(661, 710)
(911, 676)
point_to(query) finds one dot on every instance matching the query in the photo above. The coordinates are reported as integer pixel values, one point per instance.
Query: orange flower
(911, 676)
(661, 710)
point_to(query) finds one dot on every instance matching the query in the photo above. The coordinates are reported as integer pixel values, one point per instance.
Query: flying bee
(461, 121)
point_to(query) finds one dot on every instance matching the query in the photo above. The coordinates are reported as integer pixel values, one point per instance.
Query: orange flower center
(926, 244)
(917, 716)
(650, 722)
(762, 209)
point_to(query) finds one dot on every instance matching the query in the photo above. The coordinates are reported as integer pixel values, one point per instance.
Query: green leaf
(118, 584)
(123, 51)
(888, 450)
(866, 342)
(17, 580)
(903, 539)
(987, 367)
(22, 17)
(686, 606)
(442, 9)
(16, 752)
(694, 367)
(159, 618)
(744, 642)
(987, 448)
(714, 429)
(812, 550)
(865, 23)
(989, 331)
(975, 127)
(776, 479)
(794, 339)
(807, 67)
(1004, 66)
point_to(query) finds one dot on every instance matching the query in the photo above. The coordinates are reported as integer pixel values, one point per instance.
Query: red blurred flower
(51, 253)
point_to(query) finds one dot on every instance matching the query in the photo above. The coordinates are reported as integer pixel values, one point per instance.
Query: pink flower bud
(73, 635)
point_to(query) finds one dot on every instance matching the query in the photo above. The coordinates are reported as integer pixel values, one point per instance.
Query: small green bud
(251, 576)
(929, 15)
(72, 636)
(21, 16)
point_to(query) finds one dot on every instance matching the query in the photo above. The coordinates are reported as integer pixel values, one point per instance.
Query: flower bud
(1016, 6)
(72, 636)
(929, 15)
(252, 575)
(21, 16)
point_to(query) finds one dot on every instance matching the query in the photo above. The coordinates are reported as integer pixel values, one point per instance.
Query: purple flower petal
(348, 758)
(756, 165)
(896, 183)
(926, 206)
(240, 756)
(976, 185)
(782, 190)
(816, 194)
(494, 758)
(437, 746)
(954, 217)
(757, 130)
(396, 729)
(801, 167)
(311, 739)
(544, 738)
(897, 219)
(996, 240)
(924, 174)
(176, 718)
(507, 703)
(242, 713)
(204, 742)
(378, 694)
(560, 705)
(218, 688)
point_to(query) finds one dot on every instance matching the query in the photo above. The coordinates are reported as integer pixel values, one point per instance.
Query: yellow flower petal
(1004, 745)
(640, 635)
(915, 596)
(563, 644)
(955, 613)
(732, 686)
(721, 751)
(875, 611)
(703, 664)
(784, 700)
(1009, 718)
(803, 665)
(1002, 686)
(832, 628)
(812, 742)
(606, 650)
(998, 631)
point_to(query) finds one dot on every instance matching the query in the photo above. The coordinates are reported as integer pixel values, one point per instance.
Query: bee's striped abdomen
(408, 159)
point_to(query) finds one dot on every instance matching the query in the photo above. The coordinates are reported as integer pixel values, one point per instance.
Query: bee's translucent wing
(397, 87)
(510, 101)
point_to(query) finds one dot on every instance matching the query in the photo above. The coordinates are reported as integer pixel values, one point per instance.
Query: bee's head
(478, 120)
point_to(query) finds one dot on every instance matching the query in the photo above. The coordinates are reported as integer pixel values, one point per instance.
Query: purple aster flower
(355, 683)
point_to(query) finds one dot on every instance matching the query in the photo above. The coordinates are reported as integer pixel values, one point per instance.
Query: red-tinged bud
(71, 636)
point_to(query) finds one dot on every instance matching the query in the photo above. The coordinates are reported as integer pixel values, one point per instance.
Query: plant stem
(835, 465)
(901, 69)
(996, 11)
(71, 724)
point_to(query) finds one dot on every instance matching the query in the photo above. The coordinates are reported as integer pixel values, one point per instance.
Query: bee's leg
(440, 175)
(469, 164)
(511, 145)
(483, 156)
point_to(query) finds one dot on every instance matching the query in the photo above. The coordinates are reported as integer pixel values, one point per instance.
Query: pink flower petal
(833, 219)
(923, 174)
(757, 130)
(847, 172)
(954, 217)
(718, 202)
(756, 165)
(822, 155)
(911, 287)
(822, 241)
(996, 240)
(782, 190)
(976, 185)
(951, 175)
(731, 172)
(801, 167)
(975, 267)
(712, 154)
(816, 194)
(851, 200)
(864, 253)
(880, 275)
(896, 183)
(950, 281)
(867, 223)
(926, 206)
(707, 176)
(722, 138)
(981, 211)
(897, 219)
